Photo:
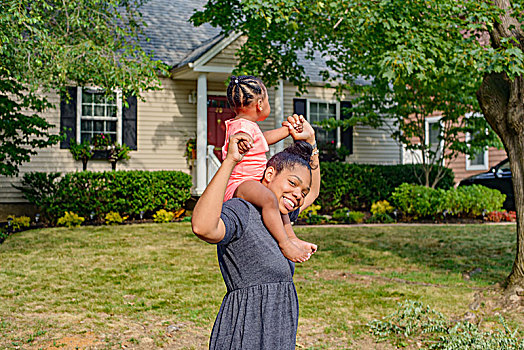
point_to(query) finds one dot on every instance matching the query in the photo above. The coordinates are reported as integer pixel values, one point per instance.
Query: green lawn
(156, 285)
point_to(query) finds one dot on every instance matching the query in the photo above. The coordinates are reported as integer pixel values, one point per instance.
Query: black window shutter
(129, 123)
(300, 106)
(68, 116)
(347, 135)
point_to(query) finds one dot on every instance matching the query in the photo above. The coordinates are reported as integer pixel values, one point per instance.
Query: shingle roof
(175, 41)
(171, 35)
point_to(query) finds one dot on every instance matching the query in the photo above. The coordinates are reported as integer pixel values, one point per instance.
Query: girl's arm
(206, 222)
(275, 135)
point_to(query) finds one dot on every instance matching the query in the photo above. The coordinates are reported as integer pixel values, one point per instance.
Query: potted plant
(190, 152)
(116, 153)
(81, 151)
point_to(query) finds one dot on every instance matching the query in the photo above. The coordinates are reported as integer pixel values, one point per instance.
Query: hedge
(123, 192)
(418, 202)
(358, 186)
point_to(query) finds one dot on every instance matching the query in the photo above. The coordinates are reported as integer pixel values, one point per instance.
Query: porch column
(201, 166)
(279, 112)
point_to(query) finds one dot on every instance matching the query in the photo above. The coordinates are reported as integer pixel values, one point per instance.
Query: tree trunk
(501, 100)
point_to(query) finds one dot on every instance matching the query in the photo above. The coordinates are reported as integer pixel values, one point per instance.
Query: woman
(260, 309)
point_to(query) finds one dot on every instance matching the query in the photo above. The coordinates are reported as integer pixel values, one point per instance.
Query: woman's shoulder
(236, 215)
(237, 204)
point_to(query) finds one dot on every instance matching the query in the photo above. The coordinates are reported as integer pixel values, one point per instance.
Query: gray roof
(171, 36)
(175, 41)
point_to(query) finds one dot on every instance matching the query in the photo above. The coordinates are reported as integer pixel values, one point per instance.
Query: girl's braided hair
(243, 90)
(299, 153)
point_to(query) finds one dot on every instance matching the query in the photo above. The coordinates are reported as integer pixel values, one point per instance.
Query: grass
(157, 285)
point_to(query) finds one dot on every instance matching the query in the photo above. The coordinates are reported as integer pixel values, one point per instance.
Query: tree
(441, 52)
(48, 45)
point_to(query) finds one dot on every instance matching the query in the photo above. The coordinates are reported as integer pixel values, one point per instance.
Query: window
(334, 144)
(98, 114)
(85, 112)
(480, 160)
(433, 130)
(319, 111)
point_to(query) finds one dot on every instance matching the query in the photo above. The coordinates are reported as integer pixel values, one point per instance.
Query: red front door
(218, 112)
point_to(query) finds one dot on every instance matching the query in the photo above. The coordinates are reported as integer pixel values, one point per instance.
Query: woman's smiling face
(290, 186)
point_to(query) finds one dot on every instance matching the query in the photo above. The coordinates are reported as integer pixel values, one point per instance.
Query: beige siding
(375, 146)
(165, 121)
(227, 58)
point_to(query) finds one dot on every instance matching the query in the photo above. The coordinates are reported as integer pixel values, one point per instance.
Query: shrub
(415, 201)
(315, 219)
(19, 222)
(70, 220)
(348, 217)
(473, 200)
(311, 210)
(41, 189)
(418, 201)
(423, 324)
(381, 207)
(126, 192)
(3, 235)
(357, 186)
(380, 217)
(114, 218)
(163, 216)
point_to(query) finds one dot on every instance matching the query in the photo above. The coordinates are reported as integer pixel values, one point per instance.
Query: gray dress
(260, 309)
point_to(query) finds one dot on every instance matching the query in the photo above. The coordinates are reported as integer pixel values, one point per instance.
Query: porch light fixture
(192, 97)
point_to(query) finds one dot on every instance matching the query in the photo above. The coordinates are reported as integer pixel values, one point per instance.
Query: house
(191, 104)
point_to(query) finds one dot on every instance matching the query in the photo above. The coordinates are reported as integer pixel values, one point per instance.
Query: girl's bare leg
(260, 196)
(310, 247)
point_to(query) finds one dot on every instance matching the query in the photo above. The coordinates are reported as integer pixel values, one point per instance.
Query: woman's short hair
(299, 153)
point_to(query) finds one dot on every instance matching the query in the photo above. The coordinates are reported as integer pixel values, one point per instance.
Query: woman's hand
(239, 145)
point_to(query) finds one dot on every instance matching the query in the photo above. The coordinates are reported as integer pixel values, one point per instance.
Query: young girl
(248, 98)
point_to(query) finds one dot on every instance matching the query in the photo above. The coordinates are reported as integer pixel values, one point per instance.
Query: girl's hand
(239, 145)
(307, 134)
(294, 121)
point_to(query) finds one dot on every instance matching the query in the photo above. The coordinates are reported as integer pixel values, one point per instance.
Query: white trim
(78, 113)
(118, 119)
(201, 137)
(208, 55)
(213, 69)
(484, 166)
(279, 113)
(432, 120)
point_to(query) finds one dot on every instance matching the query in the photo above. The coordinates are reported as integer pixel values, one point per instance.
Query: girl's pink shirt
(252, 166)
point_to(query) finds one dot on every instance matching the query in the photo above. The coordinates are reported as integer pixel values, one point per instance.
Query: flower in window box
(102, 141)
